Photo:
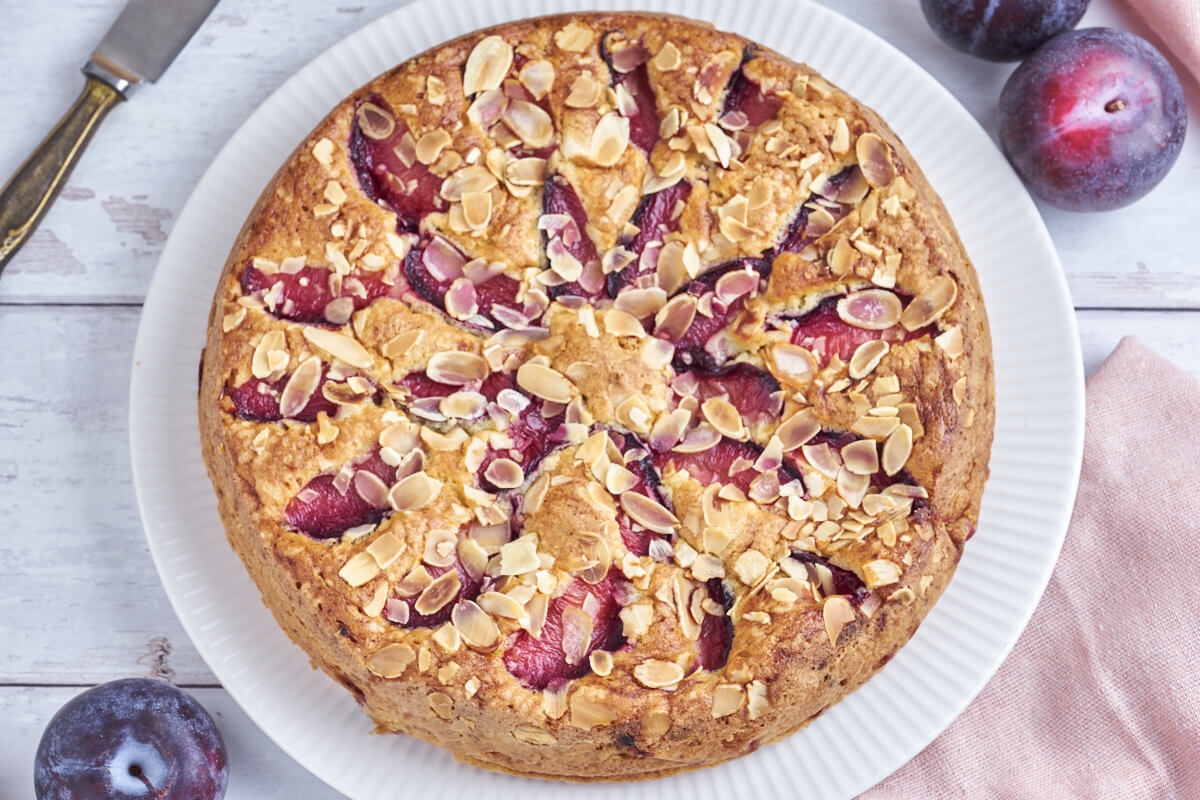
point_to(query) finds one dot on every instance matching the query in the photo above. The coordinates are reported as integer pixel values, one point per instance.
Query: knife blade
(146, 38)
(137, 49)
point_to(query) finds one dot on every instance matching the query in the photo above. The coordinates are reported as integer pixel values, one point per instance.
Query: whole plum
(1093, 120)
(1001, 30)
(130, 740)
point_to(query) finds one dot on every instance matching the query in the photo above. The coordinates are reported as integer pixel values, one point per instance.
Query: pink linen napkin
(1178, 23)
(1100, 698)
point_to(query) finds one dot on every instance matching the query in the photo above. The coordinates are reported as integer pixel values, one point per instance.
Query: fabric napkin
(1100, 698)
(1178, 23)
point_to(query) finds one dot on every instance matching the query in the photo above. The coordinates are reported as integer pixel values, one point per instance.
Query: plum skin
(131, 738)
(1093, 120)
(1001, 30)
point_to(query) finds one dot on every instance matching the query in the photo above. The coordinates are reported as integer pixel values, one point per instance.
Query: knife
(137, 49)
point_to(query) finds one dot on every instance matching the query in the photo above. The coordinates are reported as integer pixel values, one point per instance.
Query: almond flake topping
(897, 449)
(489, 62)
(880, 572)
(609, 139)
(875, 160)
(529, 122)
(871, 309)
(728, 698)
(544, 382)
(792, 364)
(575, 37)
(391, 660)
(300, 387)
(413, 492)
(537, 77)
(867, 357)
(656, 674)
(475, 626)
(577, 627)
(338, 346)
(504, 473)
(323, 152)
(837, 613)
(931, 303)
(668, 58)
(723, 416)
(648, 513)
(359, 569)
(798, 429)
(585, 92)
(374, 122)
(457, 367)
(270, 357)
(861, 457)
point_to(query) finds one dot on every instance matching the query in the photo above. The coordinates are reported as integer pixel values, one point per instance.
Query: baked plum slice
(627, 64)
(722, 295)
(564, 230)
(331, 504)
(655, 217)
(383, 152)
(727, 462)
(639, 462)
(307, 295)
(443, 277)
(533, 436)
(543, 662)
(257, 399)
(441, 597)
(752, 391)
(838, 581)
(825, 332)
(716, 633)
(821, 211)
(746, 98)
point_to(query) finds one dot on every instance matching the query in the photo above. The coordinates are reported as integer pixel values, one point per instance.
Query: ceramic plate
(1035, 459)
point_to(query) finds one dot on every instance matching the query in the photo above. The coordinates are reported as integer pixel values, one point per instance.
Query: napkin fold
(1178, 23)
(1100, 698)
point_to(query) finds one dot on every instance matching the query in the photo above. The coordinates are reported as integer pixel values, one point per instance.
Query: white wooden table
(80, 602)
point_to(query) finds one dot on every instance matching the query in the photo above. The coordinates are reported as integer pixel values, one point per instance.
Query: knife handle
(27, 197)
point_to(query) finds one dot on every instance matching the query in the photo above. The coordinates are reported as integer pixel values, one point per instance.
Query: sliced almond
(880, 572)
(798, 429)
(371, 488)
(489, 62)
(338, 346)
(867, 357)
(897, 449)
(655, 674)
(576, 633)
(837, 613)
(870, 309)
(668, 58)
(585, 92)
(374, 122)
(359, 569)
(723, 416)
(861, 457)
(609, 139)
(931, 303)
(537, 77)
(413, 492)
(792, 364)
(457, 367)
(875, 160)
(648, 513)
(300, 387)
(504, 473)
(728, 698)
(544, 382)
(475, 626)
(391, 660)
(641, 303)
(438, 594)
(529, 122)
(270, 355)
(673, 320)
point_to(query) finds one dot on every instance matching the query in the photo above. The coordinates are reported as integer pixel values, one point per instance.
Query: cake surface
(598, 396)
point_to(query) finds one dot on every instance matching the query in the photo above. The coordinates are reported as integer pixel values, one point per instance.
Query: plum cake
(598, 396)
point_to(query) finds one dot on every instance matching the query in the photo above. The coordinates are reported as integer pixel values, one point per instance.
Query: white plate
(1035, 459)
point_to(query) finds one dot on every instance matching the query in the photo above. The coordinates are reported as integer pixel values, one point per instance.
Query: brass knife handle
(27, 197)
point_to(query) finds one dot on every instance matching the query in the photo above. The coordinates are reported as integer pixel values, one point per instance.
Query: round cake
(598, 396)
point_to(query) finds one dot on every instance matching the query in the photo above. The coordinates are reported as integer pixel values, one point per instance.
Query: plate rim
(142, 347)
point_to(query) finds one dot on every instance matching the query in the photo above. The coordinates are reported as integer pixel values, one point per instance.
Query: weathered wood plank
(259, 770)
(103, 237)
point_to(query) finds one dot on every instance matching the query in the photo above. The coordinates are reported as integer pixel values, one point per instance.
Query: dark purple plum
(1093, 120)
(131, 739)
(1001, 30)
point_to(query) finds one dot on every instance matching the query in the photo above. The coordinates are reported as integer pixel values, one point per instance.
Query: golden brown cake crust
(824, 577)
